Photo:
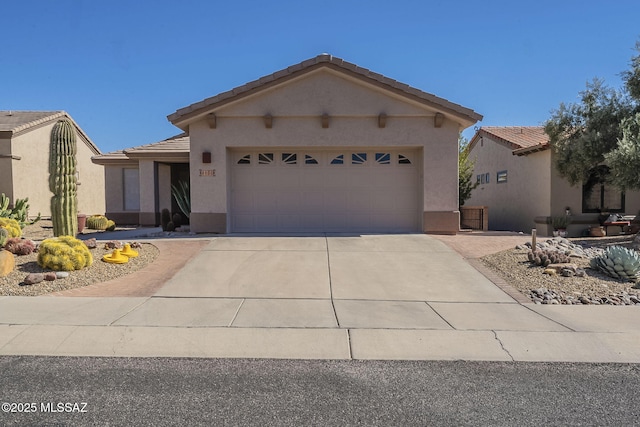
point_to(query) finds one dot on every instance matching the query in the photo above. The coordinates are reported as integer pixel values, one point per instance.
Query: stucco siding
(6, 167)
(296, 108)
(513, 204)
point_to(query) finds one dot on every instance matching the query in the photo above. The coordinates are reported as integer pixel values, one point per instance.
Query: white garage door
(361, 190)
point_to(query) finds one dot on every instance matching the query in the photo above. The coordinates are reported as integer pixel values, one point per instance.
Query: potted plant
(560, 224)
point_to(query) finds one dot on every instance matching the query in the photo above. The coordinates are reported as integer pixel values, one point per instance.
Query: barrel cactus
(12, 226)
(97, 222)
(619, 263)
(111, 225)
(64, 253)
(62, 179)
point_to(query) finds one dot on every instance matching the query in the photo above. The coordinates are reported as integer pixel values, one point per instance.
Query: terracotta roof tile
(521, 139)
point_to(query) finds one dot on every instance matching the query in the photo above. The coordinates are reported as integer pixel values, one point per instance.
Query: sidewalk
(127, 317)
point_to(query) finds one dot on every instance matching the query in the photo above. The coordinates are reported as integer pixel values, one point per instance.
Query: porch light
(206, 157)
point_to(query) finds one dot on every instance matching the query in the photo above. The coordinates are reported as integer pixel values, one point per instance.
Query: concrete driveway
(317, 297)
(336, 281)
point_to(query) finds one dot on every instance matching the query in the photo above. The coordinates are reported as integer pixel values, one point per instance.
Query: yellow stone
(7, 262)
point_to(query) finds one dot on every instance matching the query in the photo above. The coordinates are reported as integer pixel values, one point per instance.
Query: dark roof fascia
(183, 155)
(529, 150)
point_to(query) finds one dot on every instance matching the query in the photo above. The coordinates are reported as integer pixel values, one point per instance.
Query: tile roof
(176, 147)
(175, 144)
(183, 116)
(521, 139)
(15, 122)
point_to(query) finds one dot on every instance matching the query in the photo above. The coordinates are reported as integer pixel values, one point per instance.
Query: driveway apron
(320, 281)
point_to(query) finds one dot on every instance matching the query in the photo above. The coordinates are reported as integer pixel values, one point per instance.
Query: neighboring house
(323, 145)
(24, 162)
(520, 185)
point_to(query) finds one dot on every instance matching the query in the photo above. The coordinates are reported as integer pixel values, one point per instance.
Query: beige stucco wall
(6, 167)
(513, 205)
(296, 107)
(31, 173)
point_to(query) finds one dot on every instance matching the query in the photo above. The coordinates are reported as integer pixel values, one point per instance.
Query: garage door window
(265, 158)
(383, 158)
(403, 160)
(358, 158)
(245, 160)
(289, 158)
(338, 160)
(310, 160)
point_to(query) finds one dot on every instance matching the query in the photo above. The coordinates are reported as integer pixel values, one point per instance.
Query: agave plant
(182, 194)
(619, 263)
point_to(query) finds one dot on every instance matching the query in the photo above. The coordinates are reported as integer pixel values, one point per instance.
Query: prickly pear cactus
(4, 236)
(618, 262)
(62, 179)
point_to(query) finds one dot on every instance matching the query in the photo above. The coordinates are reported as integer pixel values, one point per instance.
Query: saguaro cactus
(62, 179)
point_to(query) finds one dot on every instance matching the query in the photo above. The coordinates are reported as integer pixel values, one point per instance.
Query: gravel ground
(594, 288)
(99, 271)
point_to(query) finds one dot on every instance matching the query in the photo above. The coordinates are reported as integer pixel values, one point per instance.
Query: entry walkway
(320, 297)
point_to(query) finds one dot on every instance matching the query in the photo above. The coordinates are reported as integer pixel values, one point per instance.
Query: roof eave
(529, 150)
(184, 116)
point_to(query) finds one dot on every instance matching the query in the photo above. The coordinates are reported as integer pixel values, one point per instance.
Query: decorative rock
(550, 271)
(7, 262)
(62, 274)
(91, 243)
(567, 272)
(113, 244)
(33, 278)
(50, 276)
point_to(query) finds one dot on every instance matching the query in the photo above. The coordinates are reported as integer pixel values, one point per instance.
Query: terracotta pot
(82, 221)
(597, 232)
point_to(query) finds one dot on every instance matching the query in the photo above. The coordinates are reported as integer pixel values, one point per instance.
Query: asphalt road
(157, 391)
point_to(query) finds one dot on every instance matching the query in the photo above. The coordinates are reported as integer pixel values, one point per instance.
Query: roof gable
(18, 122)
(184, 116)
(521, 140)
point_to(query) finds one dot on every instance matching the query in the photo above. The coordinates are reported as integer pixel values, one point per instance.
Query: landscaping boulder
(7, 262)
(50, 276)
(33, 278)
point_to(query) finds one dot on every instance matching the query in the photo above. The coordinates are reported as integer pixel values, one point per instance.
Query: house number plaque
(207, 172)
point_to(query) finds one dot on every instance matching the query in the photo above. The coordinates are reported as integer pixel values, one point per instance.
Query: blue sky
(119, 67)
